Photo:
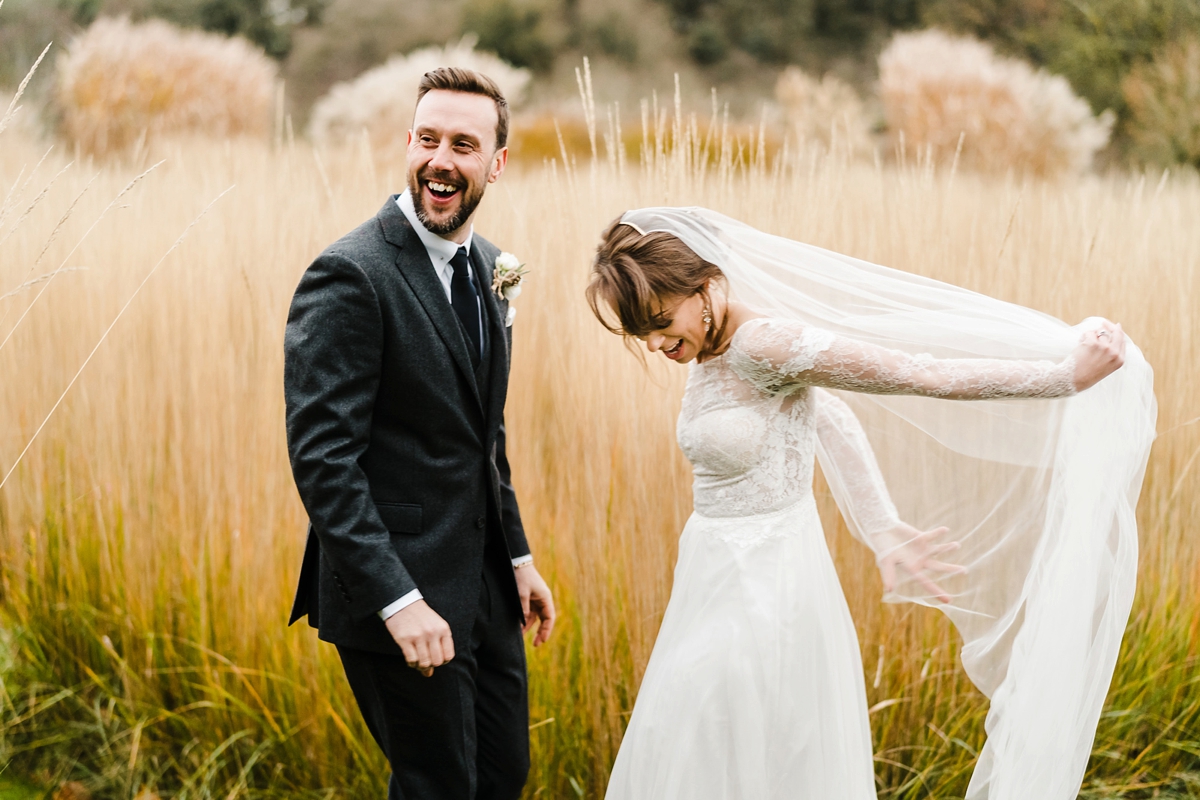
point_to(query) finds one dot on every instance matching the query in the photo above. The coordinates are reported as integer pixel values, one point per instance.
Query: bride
(755, 687)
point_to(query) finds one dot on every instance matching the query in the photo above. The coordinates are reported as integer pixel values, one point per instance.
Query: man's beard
(471, 197)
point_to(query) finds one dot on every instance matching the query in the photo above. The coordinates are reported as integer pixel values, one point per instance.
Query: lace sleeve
(850, 467)
(776, 355)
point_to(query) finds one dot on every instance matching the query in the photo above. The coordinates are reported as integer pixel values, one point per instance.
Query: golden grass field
(151, 536)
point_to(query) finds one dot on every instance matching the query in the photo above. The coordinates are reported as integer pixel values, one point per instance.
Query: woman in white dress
(755, 687)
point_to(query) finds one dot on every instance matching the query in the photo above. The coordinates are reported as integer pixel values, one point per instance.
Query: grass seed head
(828, 111)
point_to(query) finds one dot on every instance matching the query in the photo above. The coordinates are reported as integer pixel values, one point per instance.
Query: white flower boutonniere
(506, 281)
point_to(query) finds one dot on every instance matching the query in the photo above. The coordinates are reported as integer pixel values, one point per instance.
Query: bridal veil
(1040, 493)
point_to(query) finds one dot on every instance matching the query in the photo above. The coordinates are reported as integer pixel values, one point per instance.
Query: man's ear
(499, 162)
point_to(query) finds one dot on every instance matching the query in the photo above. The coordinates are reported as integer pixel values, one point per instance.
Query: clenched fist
(1100, 353)
(423, 636)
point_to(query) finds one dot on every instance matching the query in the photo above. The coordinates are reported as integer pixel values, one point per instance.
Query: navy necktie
(465, 300)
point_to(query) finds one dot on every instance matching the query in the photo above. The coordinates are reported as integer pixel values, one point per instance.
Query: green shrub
(1164, 105)
(511, 31)
(614, 37)
(707, 43)
(1092, 43)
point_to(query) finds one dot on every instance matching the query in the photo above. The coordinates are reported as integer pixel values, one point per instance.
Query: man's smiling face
(452, 156)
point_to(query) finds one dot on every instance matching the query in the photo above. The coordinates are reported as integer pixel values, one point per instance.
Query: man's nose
(442, 161)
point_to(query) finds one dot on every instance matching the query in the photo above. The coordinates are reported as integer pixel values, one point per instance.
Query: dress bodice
(751, 450)
(752, 417)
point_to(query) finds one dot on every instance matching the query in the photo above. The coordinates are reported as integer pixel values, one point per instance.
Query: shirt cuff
(401, 604)
(517, 562)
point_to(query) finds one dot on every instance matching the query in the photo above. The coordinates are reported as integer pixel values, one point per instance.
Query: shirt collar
(440, 250)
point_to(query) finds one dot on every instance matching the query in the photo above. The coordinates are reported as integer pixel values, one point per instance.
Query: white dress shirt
(440, 252)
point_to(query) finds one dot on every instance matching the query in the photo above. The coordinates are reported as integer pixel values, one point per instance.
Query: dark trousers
(463, 733)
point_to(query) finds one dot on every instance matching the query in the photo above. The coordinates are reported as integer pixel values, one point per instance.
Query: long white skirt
(755, 687)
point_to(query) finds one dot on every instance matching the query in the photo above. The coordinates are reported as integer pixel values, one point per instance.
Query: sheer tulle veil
(1040, 493)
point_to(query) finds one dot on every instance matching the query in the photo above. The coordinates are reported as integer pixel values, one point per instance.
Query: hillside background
(738, 47)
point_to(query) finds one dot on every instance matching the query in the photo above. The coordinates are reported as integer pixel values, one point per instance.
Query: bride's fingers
(888, 570)
(942, 566)
(933, 588)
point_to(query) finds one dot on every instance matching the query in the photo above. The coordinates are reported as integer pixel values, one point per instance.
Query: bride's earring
(706, 315)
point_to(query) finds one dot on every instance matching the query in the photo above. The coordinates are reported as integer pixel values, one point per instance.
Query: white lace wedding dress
(755, 688)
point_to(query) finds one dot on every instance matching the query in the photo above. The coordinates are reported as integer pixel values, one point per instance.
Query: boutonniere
(506, 281)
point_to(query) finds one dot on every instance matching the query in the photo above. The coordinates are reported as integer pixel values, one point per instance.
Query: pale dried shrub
(1164, 104)
(827, 111)
(121, 82)
(382, 100)
(937, 88)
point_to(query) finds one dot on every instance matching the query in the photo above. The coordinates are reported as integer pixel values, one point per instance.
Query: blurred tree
(707, 43)
(783, 31)
(513, 32)
(268, 23)
(1094, 44)
(82, 12)
(614, 37)
(356, 35)
(1164, 103)
(26, 27)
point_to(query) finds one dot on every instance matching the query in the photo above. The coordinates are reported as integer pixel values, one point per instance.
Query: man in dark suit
(395, 375)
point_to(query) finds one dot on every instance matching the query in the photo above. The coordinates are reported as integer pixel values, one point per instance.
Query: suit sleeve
(510, 512)
(332, 359)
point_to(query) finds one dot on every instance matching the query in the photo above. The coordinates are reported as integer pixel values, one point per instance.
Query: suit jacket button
(480, 522)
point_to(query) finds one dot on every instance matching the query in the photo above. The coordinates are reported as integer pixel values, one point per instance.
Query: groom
(395, 375)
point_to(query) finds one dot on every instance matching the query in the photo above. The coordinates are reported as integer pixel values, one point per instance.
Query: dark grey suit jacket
(396, 439)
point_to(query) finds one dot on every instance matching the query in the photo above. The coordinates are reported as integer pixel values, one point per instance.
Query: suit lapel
(413, 262)
(498, 340)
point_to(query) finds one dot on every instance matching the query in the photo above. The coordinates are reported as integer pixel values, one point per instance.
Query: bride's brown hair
(634, 274)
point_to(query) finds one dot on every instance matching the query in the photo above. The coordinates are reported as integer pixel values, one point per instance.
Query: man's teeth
(441, 187)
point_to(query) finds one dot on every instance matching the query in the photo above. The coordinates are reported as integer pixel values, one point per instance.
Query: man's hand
(915, 552)
(536, 602)
(423, 636)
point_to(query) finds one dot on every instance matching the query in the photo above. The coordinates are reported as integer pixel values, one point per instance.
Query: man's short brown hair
(458, 79)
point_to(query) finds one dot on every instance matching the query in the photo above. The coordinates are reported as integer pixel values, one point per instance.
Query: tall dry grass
(150, 539)
(827, 112)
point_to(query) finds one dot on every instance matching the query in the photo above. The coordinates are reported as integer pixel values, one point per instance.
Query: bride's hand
(917, 554)
(1100, 353)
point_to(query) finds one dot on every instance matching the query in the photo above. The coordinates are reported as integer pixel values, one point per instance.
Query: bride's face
(683, 339)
